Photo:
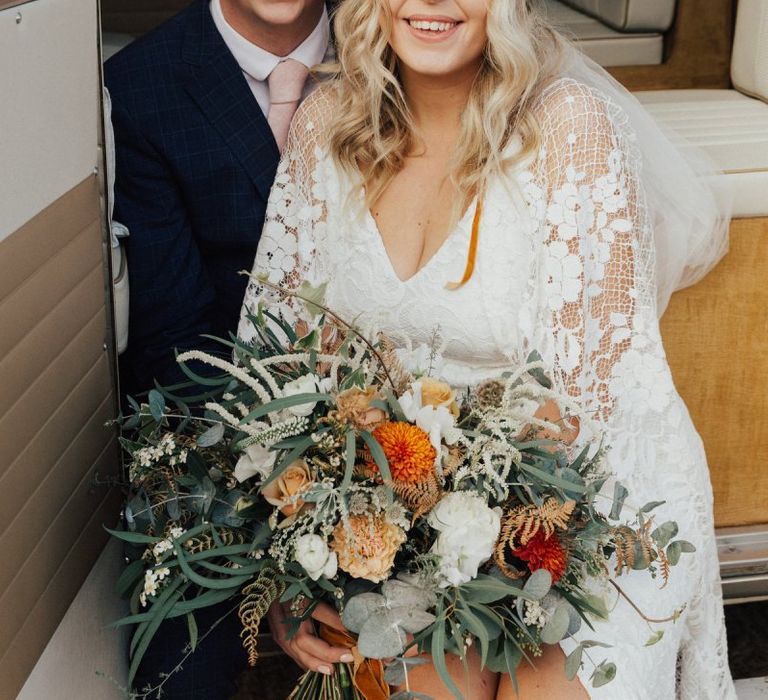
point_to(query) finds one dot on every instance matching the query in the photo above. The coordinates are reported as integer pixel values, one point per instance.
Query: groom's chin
(278, 12)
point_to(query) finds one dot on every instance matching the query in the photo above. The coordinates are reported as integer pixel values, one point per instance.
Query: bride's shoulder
(567, 104)
(314, 116)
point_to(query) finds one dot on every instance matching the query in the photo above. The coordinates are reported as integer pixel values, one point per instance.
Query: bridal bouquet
(320, 469)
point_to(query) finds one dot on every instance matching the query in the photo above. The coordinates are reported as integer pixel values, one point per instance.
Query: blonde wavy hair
(374, 130)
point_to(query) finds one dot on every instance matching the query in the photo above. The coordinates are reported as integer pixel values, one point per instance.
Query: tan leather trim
(714, 335)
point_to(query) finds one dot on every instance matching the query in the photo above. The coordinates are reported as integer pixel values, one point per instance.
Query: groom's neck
(275, 27)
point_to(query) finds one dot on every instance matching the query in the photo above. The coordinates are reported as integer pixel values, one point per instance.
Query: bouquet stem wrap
(367, 674)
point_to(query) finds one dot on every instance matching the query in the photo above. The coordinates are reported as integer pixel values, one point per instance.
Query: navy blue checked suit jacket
(195, 163)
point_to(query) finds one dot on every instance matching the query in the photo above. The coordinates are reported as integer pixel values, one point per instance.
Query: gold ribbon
(367, 674)
(471, 257)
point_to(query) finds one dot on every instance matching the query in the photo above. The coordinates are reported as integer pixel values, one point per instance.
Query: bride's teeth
(424, 25)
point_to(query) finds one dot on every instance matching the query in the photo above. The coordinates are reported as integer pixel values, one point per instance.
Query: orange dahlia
(408, 450)
(542, 552)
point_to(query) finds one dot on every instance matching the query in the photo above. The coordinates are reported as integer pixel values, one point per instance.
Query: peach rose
(367, 548)
(436, 393)
(283, 492)
(354, 406)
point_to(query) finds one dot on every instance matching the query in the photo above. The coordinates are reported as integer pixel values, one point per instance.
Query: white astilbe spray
(231, 369)
(271, 434)
(252, 429)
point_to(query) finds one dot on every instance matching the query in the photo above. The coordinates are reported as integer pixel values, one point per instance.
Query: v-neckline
(376, 231)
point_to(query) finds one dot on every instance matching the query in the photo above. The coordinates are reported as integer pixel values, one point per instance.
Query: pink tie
(286, 86)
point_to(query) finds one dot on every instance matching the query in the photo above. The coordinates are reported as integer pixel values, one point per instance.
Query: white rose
(303, 385)
(256, 459)
(314, 556)
(468, 531)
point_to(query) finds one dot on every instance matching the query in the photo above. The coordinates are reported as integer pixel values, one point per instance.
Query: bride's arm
(291, 243)
(598, 262)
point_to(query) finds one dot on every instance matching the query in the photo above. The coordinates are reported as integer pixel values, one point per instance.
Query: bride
(464, 173)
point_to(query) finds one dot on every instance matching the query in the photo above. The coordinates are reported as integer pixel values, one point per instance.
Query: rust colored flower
(367, 548)
(409, 451)
(544, 552)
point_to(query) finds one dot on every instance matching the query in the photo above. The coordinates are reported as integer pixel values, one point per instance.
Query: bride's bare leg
(473, 683)
(545, 682)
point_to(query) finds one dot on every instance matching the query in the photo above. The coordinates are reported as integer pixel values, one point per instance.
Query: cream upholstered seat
(730, 125)
(615, 32)
(630, 15)
(603, 44)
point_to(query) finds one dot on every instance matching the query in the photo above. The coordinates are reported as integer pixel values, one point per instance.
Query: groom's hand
(305, 647)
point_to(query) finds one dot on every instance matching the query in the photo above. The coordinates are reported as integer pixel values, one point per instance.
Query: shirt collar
(259, 63)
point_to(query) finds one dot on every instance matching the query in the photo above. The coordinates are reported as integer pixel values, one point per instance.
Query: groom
(201, 109)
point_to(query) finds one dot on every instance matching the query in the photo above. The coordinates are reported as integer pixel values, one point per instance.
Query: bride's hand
(550, 411)
(305, 647)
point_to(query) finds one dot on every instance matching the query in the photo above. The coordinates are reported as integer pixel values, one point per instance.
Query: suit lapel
(217, 85)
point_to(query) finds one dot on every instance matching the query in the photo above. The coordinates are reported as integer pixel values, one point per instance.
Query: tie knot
(286, 81)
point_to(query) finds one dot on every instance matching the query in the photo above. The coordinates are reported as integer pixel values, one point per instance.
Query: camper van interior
(699, 66)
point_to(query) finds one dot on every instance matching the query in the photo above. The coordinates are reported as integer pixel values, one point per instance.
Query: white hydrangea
(468, 531)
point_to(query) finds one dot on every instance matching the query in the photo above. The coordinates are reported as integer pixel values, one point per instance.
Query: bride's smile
(441, 37)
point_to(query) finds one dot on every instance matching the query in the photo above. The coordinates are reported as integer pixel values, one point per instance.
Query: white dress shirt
(257, 64)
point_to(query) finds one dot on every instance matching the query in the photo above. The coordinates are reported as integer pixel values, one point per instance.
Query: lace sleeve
(291, 243)
(597, 269)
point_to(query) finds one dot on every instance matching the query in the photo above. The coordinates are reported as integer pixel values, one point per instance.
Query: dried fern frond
(524, 522)
(204, 542)
(664, 566)
(257, 599)
(400, 376)
(633, 546)
(420, 497)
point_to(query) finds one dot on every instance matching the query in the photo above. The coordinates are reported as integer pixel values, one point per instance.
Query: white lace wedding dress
(564, 266)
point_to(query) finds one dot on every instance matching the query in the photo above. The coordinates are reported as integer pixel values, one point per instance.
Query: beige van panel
(56, 397)
(48, 104)
(55, 371)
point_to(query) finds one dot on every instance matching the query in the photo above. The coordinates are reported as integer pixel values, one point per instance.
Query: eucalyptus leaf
(192, 629)
(673, 552)
(312, 296)
(407, 595)
(573, 662)
(212, 436)
(620, 494)
(359, 608)
(412, 620)
(156, 404)
(603, 674)
(574, 624)
(652, 505)
(539, 584)
(655, 638)
(381, 637)
(394, 673)
(664, 533)
(557, 626)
